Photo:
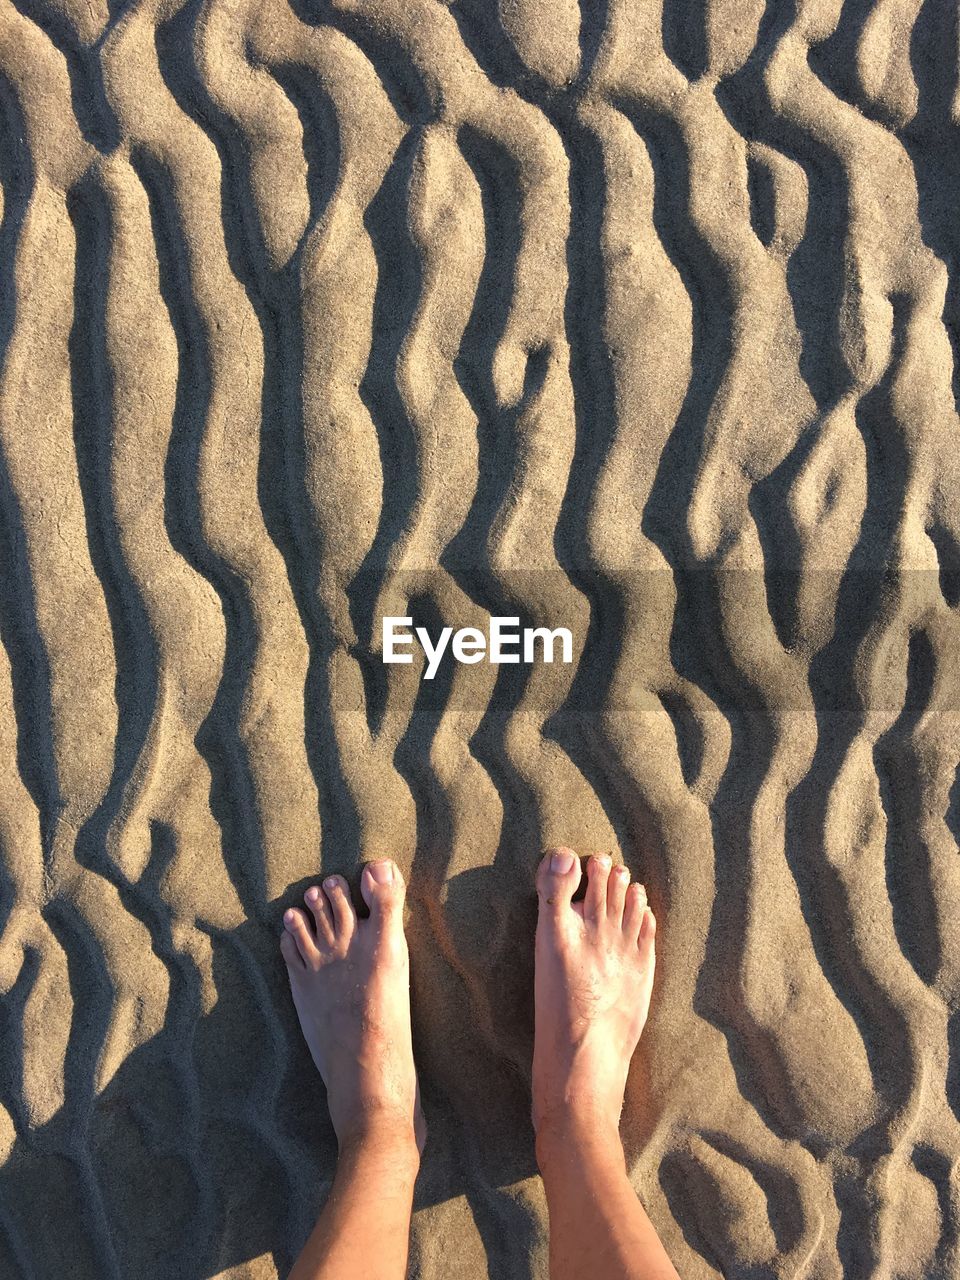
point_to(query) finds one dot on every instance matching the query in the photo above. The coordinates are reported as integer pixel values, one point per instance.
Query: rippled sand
(637, 318)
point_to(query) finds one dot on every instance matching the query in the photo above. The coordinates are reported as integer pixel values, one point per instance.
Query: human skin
(350, 981)
(593, 978)
(592, 982)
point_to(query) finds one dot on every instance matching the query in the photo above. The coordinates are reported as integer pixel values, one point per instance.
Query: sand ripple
(638, 318)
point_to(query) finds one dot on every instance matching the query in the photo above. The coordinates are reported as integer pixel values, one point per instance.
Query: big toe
(383, 891)
(557, 879)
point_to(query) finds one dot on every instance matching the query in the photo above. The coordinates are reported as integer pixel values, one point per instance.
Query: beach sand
(637, 318)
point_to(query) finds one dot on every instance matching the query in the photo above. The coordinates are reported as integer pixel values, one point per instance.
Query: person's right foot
(593, 979)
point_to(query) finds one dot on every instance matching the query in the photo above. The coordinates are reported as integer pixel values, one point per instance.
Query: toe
(299, 929)
(617, 894)
(382, 888)
(344, 916)
(290, 952)
(648, 932)
(595, 899)
(323, 917)
(557, 879)
(636, 900)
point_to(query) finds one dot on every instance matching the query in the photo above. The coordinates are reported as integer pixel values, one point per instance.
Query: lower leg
(594, 976)
(364, 1228)
(598, 1227)
(350, 982)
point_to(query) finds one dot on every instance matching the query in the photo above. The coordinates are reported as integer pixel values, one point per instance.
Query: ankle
(577, 1133)
(383, 1136)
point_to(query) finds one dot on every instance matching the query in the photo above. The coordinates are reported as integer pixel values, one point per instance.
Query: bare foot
(593, 978)
(350, 981)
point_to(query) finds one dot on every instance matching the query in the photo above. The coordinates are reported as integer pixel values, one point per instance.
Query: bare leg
(350, 981)
(594, 975)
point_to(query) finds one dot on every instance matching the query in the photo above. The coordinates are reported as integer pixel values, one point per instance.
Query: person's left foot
(350, 981)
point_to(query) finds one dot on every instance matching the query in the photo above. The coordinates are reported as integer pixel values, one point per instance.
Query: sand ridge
(636, 318)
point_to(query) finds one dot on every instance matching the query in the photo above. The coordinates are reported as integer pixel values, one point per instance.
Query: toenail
(622, 871)
(289, 917)
(603, 859)
(332, 882)
(313, 893)
(561, 863)
(381, 872)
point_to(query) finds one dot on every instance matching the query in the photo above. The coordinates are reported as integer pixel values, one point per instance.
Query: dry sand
(638, 317)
